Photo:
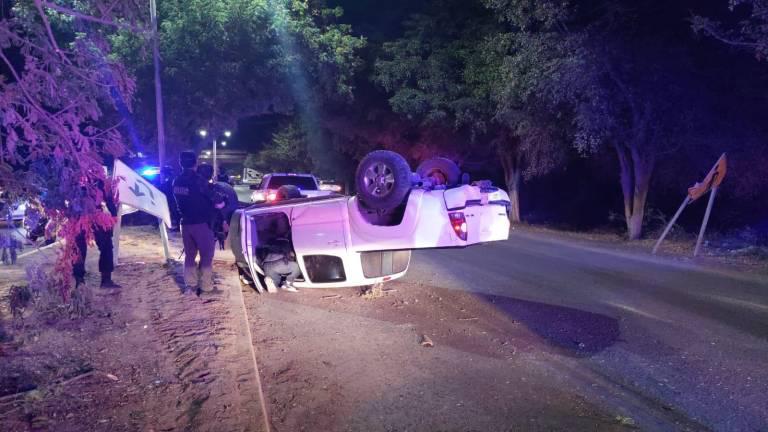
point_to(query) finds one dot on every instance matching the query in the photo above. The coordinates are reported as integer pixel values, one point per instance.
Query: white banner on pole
(137, 192)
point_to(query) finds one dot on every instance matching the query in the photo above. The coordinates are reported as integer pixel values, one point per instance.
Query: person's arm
(207, 190)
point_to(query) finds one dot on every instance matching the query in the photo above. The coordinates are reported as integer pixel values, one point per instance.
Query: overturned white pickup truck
(344, 241)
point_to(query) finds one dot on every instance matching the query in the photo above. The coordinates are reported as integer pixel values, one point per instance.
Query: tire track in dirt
(214, 382)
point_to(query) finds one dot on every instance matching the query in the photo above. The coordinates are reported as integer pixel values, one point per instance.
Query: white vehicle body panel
(337, 227)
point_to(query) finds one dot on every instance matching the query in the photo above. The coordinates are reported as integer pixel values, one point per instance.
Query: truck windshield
(302, 182)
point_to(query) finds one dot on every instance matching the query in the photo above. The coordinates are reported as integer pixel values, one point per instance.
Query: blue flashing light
(150, 171)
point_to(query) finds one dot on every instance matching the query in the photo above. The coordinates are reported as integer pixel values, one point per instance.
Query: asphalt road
(659, 336)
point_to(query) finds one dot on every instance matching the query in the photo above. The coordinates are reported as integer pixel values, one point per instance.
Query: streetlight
(204, 133)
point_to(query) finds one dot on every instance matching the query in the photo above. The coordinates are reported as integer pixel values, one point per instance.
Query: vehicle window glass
(302, 182)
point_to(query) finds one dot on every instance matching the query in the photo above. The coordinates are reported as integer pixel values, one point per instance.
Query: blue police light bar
(150, 171)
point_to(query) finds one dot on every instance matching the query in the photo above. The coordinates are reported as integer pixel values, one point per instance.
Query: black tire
(287, 192)
(383, 180)
(446, 168)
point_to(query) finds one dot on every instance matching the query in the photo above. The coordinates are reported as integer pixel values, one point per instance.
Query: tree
(608, 81)
(59, 87)
(287, 152)
(232, 59)
(750, 32)
(449, 68)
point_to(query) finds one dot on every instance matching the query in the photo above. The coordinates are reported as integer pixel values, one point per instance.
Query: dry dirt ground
(333, 360)
(147, 358)
(144, 359)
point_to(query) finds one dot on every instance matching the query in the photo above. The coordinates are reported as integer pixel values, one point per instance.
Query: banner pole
(706, 219)
(164, 237)
(672, 222)
(116, 234)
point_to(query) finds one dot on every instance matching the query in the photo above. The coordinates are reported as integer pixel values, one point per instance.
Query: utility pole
(158, 85)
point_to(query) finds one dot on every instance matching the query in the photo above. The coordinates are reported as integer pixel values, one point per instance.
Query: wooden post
(116, 234)
(164, 237)
(672, 222)
(706, 219)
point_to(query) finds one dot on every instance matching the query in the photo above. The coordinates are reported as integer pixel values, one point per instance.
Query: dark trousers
(104, 243)
(198, 238)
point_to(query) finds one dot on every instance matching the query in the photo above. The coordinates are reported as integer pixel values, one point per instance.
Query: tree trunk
(511, 163)
(635, 174)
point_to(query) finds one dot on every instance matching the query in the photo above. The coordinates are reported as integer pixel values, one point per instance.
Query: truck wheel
(441, 170)
(383, 180)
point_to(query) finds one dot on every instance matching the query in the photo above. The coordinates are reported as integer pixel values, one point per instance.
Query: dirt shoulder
(333, 360)
(145, 357)
(718, 252)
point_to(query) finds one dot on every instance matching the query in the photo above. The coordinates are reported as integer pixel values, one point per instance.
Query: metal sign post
(686, 201)
(116, 234)
(710, 184)
(706, 219)
(164, 237)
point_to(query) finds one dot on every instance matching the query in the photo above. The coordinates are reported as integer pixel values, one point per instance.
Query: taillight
(272, 196)
(459, 224)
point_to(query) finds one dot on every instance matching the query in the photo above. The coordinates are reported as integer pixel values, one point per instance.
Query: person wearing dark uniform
(103, 240)
(196, 204)
(166, 186)
(227, 192)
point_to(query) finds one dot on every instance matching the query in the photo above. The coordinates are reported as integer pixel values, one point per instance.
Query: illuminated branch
(90, 18)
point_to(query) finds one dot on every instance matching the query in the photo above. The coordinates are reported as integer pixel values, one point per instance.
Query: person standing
(196, 204)
(167, 176)
(103, 239)
(224, 191)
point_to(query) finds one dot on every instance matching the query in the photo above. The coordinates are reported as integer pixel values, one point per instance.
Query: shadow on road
(575, 332)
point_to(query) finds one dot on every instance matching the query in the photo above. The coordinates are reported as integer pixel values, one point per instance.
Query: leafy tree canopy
(287, 152)
(231, 59)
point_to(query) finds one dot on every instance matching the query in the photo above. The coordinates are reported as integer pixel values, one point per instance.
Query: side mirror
(465, 178)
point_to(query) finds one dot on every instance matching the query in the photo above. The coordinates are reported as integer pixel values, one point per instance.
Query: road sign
(710, 184)
(250, 175)
(712, 180)
(137, 192)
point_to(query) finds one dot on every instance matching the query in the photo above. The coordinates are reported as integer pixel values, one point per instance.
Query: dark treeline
(597, 112)
(589, 112)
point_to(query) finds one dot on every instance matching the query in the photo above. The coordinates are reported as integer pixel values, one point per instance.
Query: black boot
(106, 281)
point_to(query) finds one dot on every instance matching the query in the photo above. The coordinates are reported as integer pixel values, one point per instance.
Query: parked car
(344, 241)
(12, 212)
(266, 191)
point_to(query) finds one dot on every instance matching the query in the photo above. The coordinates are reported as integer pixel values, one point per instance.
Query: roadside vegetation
(588, 113)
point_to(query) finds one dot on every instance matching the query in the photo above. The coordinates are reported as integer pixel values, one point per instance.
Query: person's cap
(187, 159)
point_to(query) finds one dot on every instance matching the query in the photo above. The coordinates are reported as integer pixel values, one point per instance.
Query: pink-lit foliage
(59, 89)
